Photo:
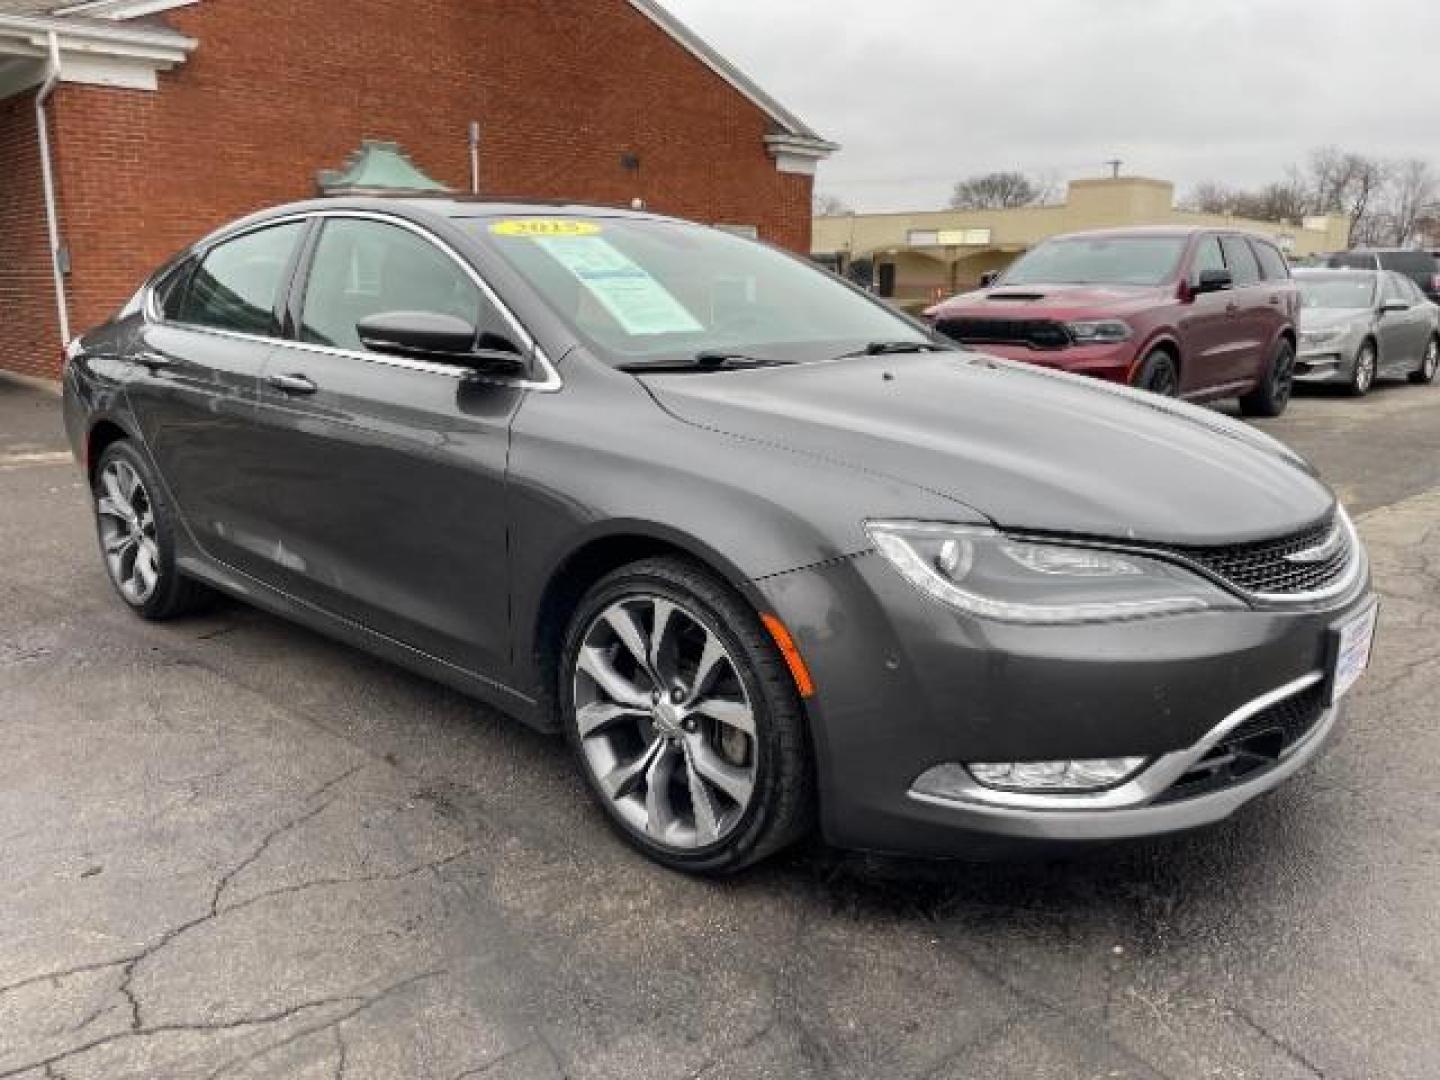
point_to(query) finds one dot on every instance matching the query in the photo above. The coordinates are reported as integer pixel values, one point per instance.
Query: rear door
(1253, 315)
(1403, 334)
(198, 361)
(387, 476)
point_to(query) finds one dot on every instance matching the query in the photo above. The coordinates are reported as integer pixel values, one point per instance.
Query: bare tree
(1351, 184)
(996, 191)
(1411, 197)
(1211, 197)
(827, 205)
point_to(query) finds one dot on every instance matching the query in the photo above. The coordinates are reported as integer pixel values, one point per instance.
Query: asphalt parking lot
(233, 848)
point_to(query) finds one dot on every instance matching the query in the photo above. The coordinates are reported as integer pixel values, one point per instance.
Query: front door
(1254, 317)
(387, 475)
(194, 393)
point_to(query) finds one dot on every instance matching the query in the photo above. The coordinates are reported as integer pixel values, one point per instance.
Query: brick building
(165, 118)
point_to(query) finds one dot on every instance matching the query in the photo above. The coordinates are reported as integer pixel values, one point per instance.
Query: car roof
(1164, 231)
(1338, 271)
(461, 206)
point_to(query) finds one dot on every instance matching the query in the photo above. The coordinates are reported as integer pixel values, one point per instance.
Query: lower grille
(1036, 333)
(1253, 747)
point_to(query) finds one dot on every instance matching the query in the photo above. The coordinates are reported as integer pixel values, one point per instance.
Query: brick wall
(281, 88)
(29, 339)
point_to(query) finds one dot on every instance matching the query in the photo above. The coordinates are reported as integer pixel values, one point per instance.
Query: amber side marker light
(798, 671)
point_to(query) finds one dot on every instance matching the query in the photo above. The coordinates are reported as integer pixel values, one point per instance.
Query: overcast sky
(922, 92)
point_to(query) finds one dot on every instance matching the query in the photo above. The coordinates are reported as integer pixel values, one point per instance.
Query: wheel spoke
(118, 503)
(664, 612)
(632, 637)
(659, 812)
(734, 782)
(624, 779)
(708, 669)
(117, 544)
(707, 821)
(600, 716)
(595, 663)
(735, 714)
(145, 569)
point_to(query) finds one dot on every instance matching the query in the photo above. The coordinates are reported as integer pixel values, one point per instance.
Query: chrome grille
(1270, 567)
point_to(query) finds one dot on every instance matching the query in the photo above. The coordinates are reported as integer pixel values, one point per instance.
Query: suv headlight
(1319, 337)
(983, 572)
(1099, 332)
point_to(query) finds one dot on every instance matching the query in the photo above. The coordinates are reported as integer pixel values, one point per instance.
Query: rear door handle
(292, 384)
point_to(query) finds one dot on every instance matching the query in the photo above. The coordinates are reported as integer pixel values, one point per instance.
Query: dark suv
(1192, 313)
(1419, 266)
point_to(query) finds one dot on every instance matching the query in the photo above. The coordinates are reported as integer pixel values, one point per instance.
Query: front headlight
(983, 572)
(1320, 337)
(1099, 332)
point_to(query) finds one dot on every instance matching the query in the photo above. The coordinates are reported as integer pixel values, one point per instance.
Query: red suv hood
(1052, 302)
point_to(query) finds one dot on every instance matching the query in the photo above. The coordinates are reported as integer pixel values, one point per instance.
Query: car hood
(1027, 448)
(1333, 318)
(1050, 302)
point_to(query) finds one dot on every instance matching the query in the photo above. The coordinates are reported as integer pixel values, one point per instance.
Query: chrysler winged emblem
(1322, 551)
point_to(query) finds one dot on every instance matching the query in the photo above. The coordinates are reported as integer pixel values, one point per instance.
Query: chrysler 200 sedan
(768, 553)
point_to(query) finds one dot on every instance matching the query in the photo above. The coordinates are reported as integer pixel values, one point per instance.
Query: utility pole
(1114, 164)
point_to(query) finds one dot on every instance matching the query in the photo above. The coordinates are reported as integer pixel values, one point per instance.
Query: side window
(363, 268)
(236, 286)
(1395, 287)
(1272, 264)
(1243, 267)
(1414, 291)
(1207, 257)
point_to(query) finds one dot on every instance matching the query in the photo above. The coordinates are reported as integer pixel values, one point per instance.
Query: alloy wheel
(1431, 361)
(665, 722)
(1365, 370)
(1283, 378)
(127, 532)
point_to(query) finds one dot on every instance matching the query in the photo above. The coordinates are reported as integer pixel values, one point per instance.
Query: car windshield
(1122, 260)
(1337, 290)
(642, 290)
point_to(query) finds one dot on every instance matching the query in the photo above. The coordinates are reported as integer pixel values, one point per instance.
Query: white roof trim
(91, 52)
(791, 125)
(120, 9)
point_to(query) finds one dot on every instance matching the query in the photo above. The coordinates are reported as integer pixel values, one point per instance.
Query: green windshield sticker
(639, 303)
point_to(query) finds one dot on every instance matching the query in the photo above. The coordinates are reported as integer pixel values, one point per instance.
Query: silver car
(1359, 325)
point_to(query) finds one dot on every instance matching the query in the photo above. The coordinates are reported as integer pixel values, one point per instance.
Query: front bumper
(905, 685)
(1112, 363)
(1326, 364)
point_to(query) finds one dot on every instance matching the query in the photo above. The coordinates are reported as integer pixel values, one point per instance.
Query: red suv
(1192, 313)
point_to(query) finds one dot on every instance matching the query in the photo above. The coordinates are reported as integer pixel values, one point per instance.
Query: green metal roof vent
(377, 168)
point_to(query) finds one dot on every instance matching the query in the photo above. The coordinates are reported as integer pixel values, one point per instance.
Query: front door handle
(292, 384)
(1275, 301)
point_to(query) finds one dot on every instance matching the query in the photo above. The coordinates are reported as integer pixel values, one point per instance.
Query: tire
(1273, 394)
(1362, 378)
(136, 529)
(1158, 374)
(642, 762)
(1424, 375)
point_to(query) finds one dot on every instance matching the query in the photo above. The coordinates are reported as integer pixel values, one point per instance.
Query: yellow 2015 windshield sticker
(545, 227)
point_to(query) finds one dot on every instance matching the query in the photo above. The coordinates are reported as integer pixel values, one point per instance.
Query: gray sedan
(1359, 325)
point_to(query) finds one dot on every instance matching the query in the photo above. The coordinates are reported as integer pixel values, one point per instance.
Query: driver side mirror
(1214, 281)
(438, 338)
(989, 278)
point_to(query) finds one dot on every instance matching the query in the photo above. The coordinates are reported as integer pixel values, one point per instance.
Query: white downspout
(52, 219)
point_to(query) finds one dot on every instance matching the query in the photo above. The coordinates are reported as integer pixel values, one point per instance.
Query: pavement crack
(1280, 1044)
(280, 830)
(65, 973)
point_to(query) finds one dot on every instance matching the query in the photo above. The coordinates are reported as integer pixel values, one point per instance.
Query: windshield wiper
(891, 348)
(706, 360)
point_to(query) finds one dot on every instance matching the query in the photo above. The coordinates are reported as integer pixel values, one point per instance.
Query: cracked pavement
(233, 848)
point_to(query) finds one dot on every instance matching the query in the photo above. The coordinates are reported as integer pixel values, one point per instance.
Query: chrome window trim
(1146, 786)
(548, 384)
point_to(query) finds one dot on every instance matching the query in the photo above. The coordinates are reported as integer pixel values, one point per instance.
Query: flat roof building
(922, 256)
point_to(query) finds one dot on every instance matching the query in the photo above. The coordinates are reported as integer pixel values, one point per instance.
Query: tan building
(924, 256)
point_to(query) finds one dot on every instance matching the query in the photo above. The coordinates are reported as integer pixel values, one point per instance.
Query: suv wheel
(1158, 374)
(1363, 377)
(685, 719)
(1273, 393)
(1425, 373)
(137, 537)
